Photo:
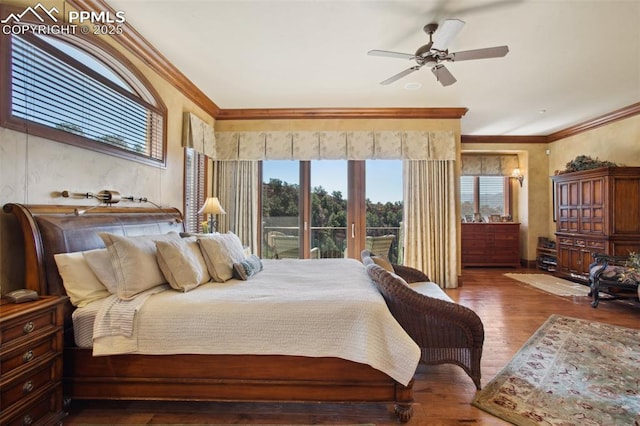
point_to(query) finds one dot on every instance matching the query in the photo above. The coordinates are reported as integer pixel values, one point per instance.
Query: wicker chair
(447, 333)
(380, 245)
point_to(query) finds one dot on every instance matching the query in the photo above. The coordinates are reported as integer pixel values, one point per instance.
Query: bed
(49, 229)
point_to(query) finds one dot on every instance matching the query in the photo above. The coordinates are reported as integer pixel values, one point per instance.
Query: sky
(384, 177)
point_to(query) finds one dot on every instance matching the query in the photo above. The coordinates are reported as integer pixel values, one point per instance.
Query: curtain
(198, 135)
(336, 145)
(430, 236)
(489, 164)
(236, 184)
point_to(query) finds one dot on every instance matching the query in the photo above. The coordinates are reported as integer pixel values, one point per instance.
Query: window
(195, 178)
(62, 89)
(317, 208)
(484, 196)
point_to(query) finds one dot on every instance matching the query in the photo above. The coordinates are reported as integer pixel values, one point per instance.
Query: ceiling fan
(434, 53)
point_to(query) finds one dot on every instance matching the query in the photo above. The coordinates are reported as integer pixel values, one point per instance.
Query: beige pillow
(134, 261)
(81, 284)
(383, 263)
(99, 261)
(220, 252)
(182, 263)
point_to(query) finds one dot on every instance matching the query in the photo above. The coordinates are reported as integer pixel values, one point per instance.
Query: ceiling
(569, 61)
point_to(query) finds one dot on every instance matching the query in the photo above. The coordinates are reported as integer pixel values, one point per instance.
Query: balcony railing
(331, 242)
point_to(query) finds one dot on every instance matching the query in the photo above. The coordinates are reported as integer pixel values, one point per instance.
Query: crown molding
(138, 46)
(503, 139)
(342, 113)
(611, 117)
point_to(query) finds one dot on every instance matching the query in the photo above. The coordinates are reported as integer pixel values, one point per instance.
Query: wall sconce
(211, 207)
(517, 174)
(106, 196)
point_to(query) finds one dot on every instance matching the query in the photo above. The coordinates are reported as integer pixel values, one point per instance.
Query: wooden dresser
(31, 341)
(491, 244)
(596, 211)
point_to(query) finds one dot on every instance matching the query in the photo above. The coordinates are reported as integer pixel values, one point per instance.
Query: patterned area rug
(570, 372)
(551, 284)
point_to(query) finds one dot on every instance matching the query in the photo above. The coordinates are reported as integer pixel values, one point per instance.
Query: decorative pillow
(182, 263)
(220, 252)
(134, 261)
(99, 261)
(383, 263)
(247, 268)
(81, 284)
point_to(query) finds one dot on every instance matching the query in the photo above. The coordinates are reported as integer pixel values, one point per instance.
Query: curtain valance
(330, 145)
(198, 135)
(489, 164)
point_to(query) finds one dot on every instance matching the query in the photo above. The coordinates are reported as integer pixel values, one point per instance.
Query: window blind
(194, 189)
(50, 88)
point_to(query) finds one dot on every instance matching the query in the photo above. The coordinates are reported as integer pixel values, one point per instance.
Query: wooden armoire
(596, 210)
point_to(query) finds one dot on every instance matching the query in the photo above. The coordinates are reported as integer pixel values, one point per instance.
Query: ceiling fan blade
(489, 52)
(400, 75)
(443, 75)
(389, 54)
(446, 33)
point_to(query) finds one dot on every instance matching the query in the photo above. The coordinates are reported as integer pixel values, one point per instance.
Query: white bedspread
(315, 308)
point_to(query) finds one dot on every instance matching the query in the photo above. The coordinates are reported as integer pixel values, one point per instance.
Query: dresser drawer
(596, 245)
(27, 325)
(29, 354)
(42, 409)
(568, 241)
(30, 383)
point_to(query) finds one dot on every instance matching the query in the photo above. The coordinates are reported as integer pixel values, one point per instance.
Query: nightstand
(31, 341)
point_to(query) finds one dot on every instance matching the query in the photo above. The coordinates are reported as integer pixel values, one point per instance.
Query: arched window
(67, 89)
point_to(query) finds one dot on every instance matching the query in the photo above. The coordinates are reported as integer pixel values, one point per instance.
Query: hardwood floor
(511, 313)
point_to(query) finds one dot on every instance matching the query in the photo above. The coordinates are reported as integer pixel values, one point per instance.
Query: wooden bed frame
(50, 229)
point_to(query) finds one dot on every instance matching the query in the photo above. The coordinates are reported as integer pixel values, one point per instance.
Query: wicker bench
(447, 333)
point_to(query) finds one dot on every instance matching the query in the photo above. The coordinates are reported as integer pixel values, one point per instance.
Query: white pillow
(81, 284)
(182, 263)
(134, 261)
(220, 252)
(99, 261)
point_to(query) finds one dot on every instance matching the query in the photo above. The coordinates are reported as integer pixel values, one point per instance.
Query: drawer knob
(28, 327)
(27, 387)
(27, 420)
(28, 356)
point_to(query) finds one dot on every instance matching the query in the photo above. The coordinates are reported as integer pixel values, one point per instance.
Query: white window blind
(60, 90)
(194, 189)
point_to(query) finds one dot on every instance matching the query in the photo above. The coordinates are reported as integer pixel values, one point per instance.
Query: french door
(323, 209)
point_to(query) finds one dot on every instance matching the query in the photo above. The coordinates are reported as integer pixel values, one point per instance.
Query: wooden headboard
(52, 229)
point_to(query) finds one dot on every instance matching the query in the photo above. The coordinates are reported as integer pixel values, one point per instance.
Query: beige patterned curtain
(335, 145)
(489, 164)
(198, 135)
(236, 184)
(430, 239)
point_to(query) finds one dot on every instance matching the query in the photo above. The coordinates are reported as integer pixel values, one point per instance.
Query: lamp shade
(211, 206)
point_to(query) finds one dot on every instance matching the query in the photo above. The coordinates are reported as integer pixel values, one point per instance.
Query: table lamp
(212, 207)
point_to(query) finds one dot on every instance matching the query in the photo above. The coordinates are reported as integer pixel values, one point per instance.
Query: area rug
(570, 372)
(551, 284)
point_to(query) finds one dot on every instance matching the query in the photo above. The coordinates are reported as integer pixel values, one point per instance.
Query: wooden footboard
(256, 378)
(260, 378)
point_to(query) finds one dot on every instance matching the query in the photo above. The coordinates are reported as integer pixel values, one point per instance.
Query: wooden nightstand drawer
(41, 409)
(29, 354)
(31, 342)
(28, 325)
(29, 383)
